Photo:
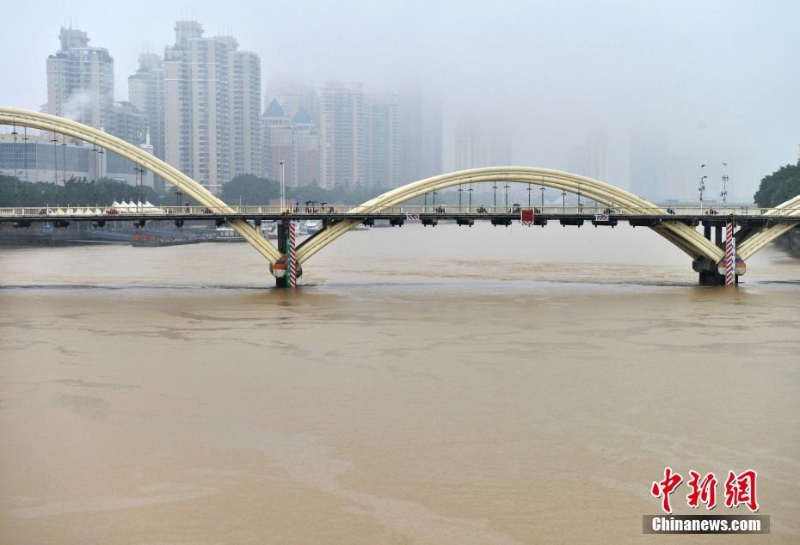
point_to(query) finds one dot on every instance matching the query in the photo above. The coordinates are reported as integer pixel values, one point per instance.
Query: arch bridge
(705, 253)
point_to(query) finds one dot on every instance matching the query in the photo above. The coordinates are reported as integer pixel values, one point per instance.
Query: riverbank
(156, 233)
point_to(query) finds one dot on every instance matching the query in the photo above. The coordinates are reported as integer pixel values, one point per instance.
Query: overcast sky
(720, 80)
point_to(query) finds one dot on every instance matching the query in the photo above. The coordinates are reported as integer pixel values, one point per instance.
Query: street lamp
(460, 190)
(64, 157)
(55, 162)
(563, 199)
(494, 188)
(25, 160)
(136, 177)
(702, 185)
(529, 195)
(283, 188)
(542, 189)
(506, 188)
(178, 195)
(469, 191)
(724, 193)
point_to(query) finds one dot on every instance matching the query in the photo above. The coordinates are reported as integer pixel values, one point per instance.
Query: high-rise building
(481, 144)
(80, 80)
(597, 157)
(420, 128)
(209, 94)
(305, 140)
(277, 143)
(293, 96)
(382, 141)
(128, 122)
(649, 166)
(295, 142)
(343, 157)
(245, 108)
(590, 157)
(146, 92)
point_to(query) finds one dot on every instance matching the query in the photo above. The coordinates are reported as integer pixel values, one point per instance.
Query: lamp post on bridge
(529, 195)
(137, 176)
(55, 162)
(506, 188)
(724, 193)
(178, 195)
(460, 190)
(16, 165)
(469, 191)
(283, 188)
(563, 199)
(542, 189)
(702, 186)
(494, 188)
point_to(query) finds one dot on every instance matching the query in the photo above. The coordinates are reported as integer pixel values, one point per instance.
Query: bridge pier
(708, 273)
(283, 237)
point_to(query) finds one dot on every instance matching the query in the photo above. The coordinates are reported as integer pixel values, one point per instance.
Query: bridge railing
(109, 212)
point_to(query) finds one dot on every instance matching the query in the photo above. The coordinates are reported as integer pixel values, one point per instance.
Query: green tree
(778, 187)
(74, 192)
(250, 189)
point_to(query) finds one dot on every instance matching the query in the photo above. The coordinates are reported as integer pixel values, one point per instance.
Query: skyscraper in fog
(382, 141)
(420, 131)
(343, 158)
(481, 143)
(294, 96)
(80, 80)
(590, 158)
(648, 166)
(146, 93)
(294, 141)
(210, 93)
(245, 107)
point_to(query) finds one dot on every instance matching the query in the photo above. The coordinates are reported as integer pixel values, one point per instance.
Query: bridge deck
(567, 214)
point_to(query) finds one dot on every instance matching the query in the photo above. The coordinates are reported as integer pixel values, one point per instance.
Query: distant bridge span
(680, 234)
(51, 123)
(685, 237)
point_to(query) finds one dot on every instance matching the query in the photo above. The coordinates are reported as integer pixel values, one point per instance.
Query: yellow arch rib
(45, 122)
(683, 236)
(789, 208)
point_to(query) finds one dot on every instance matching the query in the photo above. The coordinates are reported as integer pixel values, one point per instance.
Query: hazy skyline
(719, 80)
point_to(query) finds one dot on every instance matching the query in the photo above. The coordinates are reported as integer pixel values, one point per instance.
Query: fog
(715, 81)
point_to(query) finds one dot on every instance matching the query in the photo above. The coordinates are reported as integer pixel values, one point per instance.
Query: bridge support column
(283, 237)
(708, 273)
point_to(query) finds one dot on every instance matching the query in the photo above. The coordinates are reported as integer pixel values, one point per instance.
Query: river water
(426, 385)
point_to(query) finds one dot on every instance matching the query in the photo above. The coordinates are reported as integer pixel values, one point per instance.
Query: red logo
(663, 489)
(703, 490)
(739, 489)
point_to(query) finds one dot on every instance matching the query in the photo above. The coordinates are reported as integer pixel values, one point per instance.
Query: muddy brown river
(425, 385)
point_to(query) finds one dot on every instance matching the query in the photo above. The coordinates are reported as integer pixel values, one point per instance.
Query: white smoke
(78, 104)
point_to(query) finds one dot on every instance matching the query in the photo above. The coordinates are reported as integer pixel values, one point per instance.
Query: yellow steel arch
(36, 120)
(683, 236)
(757, 242)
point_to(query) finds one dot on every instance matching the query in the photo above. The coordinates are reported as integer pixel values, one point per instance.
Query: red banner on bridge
(526, 216)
